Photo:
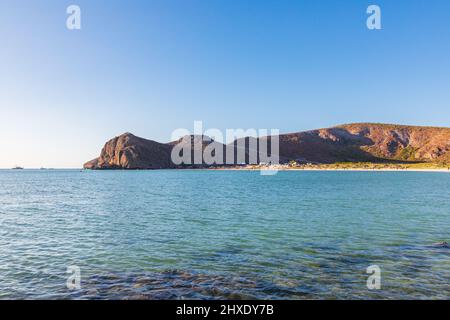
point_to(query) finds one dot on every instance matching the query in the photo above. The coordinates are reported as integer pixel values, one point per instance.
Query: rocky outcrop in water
(346, 143)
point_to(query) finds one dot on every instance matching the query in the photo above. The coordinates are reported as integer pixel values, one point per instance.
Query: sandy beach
(282, 168)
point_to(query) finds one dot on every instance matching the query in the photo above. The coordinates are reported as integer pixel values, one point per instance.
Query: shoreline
(323, 169)
(350, 169)
(250, 168)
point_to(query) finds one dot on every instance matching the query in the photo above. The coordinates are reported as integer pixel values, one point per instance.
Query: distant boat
(17, 168)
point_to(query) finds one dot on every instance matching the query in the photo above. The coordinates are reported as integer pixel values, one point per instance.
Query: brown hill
(346, 143)
(130, 152)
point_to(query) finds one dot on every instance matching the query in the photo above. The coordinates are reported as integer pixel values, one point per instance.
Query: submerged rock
(442, 245)
(176, 284)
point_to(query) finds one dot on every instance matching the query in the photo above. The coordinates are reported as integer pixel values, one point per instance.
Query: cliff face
(368, 142)
(346, 143)
(406, 142)
(130, 152)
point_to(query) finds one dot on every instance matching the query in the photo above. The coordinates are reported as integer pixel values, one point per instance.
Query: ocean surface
(178, 234)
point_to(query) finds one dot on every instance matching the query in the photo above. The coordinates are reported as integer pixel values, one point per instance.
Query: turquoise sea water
(223, 234)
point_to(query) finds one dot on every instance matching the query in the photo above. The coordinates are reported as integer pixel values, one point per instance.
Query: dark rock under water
(176, 284)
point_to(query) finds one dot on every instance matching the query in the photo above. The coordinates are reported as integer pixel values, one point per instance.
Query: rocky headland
(350, 143)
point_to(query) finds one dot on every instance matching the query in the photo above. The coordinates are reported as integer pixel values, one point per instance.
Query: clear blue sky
(152, 66)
